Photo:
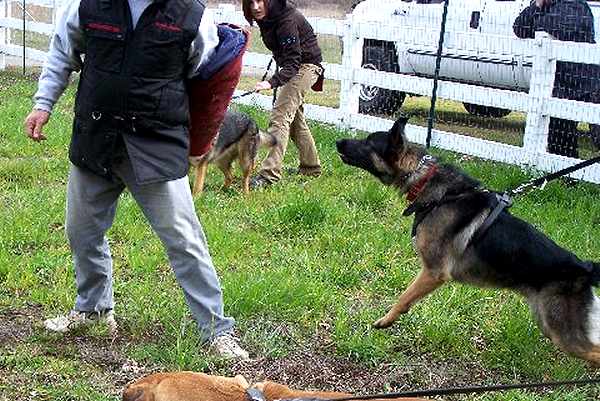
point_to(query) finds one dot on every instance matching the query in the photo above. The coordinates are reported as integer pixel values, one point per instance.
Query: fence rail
(541, 53)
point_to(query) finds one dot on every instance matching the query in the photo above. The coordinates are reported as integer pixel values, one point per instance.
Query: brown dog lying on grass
(190, 386)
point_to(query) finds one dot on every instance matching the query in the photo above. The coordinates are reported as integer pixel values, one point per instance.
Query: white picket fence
(538, 103)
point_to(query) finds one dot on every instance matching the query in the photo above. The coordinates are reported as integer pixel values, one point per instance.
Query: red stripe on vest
(103, 27)
(167, 27)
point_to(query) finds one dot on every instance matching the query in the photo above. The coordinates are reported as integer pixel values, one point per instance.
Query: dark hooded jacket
(291, 39)
(567, 20)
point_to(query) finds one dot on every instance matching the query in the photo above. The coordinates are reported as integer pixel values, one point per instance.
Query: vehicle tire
(380, 56)
(485, 111)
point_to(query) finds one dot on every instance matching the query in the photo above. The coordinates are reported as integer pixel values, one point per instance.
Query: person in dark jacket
(291, 39)
(567, 20)
(131, 131)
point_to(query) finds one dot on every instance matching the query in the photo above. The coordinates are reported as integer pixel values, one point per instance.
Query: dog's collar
(418, 186)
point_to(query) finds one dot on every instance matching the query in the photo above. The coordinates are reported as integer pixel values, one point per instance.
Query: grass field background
(305, 266)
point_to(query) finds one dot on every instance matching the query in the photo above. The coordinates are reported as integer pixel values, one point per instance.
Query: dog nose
(339, 144)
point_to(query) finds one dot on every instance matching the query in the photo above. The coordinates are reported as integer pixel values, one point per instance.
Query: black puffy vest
(132, 86)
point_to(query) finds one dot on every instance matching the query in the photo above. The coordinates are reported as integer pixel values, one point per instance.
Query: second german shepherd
(238, 138)
(449, 208)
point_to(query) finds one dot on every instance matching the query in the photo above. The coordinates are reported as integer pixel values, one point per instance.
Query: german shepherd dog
(449, 209)
(238, 138)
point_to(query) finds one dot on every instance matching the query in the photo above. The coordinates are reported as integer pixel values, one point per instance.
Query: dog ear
(397, 139)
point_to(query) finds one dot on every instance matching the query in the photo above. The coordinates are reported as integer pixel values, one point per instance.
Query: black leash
(552, 176)
(262, 79)
(467, 390)
(504, 200)
(256, 395)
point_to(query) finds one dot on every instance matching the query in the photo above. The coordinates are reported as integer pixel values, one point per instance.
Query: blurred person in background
(291, 39)
(572, 21)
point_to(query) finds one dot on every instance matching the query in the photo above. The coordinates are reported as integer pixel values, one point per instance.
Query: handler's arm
(63, 57)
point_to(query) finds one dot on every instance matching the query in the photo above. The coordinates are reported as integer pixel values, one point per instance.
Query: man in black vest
(131, 131)
(572, 21)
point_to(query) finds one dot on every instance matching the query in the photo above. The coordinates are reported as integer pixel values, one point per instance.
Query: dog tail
(267, 139)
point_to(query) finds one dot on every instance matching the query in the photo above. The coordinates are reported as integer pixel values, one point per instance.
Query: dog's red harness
(418, 186)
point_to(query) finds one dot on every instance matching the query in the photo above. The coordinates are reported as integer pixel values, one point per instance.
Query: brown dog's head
(386, 155)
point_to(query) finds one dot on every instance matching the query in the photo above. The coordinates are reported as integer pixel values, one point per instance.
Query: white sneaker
(226, 345)
(76, 319)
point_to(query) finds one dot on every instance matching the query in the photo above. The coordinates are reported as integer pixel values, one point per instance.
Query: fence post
(3, 34)
(535, 139)
(351, 58)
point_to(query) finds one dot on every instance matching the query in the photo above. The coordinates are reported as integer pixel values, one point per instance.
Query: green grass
(305, 263)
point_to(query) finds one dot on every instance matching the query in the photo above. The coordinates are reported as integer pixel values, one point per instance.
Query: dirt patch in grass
(311, 365)
(309, 369)
(101, 354)
(17, 324)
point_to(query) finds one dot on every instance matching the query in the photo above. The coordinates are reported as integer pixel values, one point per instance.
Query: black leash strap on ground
(553, 176)
(262, 79)
(458, 390)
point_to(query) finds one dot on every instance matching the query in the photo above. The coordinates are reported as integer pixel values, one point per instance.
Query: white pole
(3, 34)
(535, 139)
(351, 59)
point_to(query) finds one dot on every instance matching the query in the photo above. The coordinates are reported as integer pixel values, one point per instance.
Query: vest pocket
(105, 46)
(163, 52)
(92, 144)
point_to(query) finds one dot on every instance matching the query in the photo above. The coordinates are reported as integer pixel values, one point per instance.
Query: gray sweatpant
(168, 206)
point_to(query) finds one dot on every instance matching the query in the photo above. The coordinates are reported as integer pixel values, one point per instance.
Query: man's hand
(262, 85)
(541, 3)
(34, 123)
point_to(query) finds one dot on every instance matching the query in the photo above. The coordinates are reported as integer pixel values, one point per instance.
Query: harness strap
(504, 201)
(422, 210)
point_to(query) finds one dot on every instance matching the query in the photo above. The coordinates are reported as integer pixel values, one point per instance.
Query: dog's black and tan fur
(449, 207)
(238, 138)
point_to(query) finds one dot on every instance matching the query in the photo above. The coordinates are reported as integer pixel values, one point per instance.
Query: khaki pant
(287, 119)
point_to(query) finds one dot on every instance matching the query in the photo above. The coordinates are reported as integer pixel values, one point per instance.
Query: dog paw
(383, 323)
